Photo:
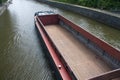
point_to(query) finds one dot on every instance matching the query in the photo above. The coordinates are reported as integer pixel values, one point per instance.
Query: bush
(101, 4)
(2, 1)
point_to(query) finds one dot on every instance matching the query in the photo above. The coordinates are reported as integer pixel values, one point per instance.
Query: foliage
(101, 4)
(2, 1)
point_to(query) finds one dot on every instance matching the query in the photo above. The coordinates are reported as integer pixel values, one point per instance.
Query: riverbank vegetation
(2, 1)
(101, 4)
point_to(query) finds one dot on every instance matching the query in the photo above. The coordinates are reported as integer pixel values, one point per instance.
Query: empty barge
(75, 53)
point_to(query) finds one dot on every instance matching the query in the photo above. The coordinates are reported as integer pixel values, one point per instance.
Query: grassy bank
(101, 4)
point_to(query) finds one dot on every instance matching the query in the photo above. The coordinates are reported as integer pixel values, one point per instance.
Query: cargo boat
(74, 53)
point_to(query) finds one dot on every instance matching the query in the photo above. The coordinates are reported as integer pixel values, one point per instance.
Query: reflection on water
(21, 56)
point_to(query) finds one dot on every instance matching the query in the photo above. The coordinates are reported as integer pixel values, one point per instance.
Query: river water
(21, 56)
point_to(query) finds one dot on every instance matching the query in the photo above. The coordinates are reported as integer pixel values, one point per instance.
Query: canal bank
(105, 17)
(4, 6)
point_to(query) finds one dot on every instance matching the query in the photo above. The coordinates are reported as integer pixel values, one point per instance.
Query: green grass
(101, 4)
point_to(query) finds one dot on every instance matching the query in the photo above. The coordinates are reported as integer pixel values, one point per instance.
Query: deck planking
(83, 61)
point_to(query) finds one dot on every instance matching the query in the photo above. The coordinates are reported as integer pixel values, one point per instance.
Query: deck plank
(83, 61)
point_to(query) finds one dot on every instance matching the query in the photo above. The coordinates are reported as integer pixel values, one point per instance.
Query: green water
(21, 56)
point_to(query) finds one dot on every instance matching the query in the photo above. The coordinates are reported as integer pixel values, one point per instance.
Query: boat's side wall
(51, 62)
(110, 54)
(49, 19)
(53, 66)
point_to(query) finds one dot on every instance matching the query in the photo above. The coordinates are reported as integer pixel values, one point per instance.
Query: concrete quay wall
(98, 15)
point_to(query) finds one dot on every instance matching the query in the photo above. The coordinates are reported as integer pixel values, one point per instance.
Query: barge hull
(61, 73)
(76, 53)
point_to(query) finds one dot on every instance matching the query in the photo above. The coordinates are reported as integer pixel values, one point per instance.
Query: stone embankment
(4, 6)
(102, 16)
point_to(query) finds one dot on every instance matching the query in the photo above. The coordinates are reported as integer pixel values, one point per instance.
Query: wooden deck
(83, 62)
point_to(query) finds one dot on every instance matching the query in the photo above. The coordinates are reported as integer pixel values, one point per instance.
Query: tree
(0, 1)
